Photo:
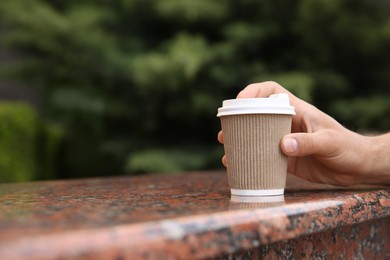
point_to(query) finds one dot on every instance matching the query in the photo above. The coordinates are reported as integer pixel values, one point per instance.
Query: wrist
(377, 168)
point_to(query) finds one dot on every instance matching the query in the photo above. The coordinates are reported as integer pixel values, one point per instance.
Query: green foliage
(51, 137)
(192, 11)
(370, 111)
(128, 80)
(172, 159)
(179, 62)
(164, 161)
(29, 147)
(18, 136)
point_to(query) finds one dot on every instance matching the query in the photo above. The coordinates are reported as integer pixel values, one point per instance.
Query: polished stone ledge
(181, 216)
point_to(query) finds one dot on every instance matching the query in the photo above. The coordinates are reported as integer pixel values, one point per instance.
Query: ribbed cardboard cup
(252, 130)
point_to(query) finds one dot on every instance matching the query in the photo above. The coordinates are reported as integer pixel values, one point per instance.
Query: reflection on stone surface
(255, 202)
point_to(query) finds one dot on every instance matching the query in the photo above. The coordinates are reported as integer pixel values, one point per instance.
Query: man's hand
(322, 150)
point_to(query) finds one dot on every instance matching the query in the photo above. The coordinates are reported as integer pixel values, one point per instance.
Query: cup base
(257, 199)
(273, 192)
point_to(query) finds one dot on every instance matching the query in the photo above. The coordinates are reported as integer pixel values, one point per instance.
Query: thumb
(320, 143)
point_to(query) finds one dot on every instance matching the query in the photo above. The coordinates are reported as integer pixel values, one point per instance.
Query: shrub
(172, 160)
(51, 137)
(18, 139)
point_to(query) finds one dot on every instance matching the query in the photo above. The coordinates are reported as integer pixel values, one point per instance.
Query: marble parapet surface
(179, 216)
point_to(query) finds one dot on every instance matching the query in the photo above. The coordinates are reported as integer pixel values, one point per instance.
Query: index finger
(267, 88)
(263, 89)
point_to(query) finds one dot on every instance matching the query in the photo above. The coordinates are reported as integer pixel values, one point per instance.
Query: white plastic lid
(274, 104)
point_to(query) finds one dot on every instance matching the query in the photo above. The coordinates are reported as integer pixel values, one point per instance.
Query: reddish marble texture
(367, 240)
(185, 216)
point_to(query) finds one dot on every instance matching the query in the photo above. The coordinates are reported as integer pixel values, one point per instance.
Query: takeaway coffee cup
(252, 129)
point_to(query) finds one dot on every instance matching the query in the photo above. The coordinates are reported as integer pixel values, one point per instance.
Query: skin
(321, 150)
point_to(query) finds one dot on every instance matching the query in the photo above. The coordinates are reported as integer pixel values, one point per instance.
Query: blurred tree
(349, 41)
(136, 84)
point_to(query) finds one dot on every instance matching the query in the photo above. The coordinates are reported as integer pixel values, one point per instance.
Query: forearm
(378, 155)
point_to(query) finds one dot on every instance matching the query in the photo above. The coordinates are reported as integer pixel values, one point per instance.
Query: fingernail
(290, 145)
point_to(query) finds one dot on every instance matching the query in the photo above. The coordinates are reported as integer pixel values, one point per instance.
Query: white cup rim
(274, 104)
